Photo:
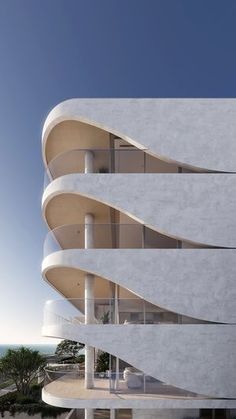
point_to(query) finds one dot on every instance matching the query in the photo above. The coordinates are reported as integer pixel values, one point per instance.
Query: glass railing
(131, 380)
(106, 236)
(69, 373)
(128, 381)
(125, 311)
(107, 161)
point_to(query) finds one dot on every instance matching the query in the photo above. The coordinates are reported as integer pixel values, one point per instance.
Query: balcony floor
(67, 387)
(70, 392)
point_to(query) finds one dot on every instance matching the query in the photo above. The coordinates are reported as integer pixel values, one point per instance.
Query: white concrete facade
(172, 244)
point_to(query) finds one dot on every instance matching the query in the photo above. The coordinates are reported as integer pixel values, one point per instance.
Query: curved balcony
(128, 160)
(177, 129)
(126, 381)
(186, 356)
(130, 388)
(126, 311)
(198, 283)
(190, 207)
(106, 236)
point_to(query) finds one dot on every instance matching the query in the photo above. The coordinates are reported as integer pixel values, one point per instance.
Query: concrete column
(89, 289)
(89, 231)
(117, 321)
(89, 366)
(89, 304)
(88, 162)
(89, 279)
(89, 298)
(88, 414)
(112, 414)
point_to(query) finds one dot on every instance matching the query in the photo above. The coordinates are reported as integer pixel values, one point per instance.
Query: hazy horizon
(27, 343)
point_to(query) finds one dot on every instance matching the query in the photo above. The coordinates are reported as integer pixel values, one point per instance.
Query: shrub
(35, 391)
(102, 362)
(21, 399)
(16, 402)
(80, 359)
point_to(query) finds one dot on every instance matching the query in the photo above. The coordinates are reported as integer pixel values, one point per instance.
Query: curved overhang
(194, 133)
(196, 358)
(69, 281)
(198, 283)
(76, 397)
(191, 207)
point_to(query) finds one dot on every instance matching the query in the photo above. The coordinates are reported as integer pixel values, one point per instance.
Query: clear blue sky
(51, 50)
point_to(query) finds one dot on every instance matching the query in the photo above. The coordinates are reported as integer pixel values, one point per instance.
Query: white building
(140, 201)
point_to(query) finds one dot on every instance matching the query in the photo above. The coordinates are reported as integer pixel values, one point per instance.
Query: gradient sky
(52, 50)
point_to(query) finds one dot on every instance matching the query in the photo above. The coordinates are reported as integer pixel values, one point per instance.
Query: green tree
(105, 319)
(22, 366)
(69, 347)
(103, 357)
(102, 362)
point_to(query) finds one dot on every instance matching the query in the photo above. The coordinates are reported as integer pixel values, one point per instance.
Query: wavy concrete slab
(198, 283)
(198, 133)
(199, 208)
(197, 358)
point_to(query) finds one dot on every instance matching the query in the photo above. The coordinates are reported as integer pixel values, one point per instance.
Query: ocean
(42, 348)
(7, 415)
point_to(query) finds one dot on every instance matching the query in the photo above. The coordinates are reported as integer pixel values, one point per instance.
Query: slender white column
(88, 414)
(89, 304)
(89, 290)
(117, 321)
(88, 162)
(89, 366)
(89, 298)
(88, 232)
(112, 414)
